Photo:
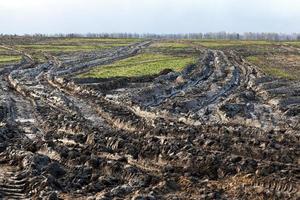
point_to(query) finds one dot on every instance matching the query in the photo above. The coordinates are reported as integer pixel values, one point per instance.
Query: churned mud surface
(219, 129)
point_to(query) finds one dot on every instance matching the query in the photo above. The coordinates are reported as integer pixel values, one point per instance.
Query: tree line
(210, 35)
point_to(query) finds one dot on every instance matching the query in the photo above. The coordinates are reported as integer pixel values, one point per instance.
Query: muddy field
(221, 128)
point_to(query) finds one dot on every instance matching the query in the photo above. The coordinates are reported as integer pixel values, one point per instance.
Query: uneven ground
(225, 126)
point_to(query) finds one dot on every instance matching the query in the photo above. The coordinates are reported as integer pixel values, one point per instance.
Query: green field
(9, 59)
(140, 65)
(276, 71)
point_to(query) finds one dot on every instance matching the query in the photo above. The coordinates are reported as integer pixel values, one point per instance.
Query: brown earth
(220, 129)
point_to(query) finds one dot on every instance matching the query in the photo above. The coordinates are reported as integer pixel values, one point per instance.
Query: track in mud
(219, 129)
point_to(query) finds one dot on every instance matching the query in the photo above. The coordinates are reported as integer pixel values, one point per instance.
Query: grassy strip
(273, 71)
(9, 59)
(140, 65)
(293, 43)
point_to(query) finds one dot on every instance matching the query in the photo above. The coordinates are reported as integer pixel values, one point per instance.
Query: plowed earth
(219, 129)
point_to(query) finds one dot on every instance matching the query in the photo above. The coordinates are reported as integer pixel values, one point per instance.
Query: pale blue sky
(154, 16)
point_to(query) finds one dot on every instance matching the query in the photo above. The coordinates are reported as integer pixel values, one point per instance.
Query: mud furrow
(219, 129)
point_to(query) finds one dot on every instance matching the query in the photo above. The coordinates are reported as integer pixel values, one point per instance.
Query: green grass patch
(278, 72)
(293, 43)
(9, 59)
(253, 59)
(270, 70)
(140, 65)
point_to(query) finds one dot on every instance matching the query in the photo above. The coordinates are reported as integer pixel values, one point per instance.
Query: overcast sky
(154, 16)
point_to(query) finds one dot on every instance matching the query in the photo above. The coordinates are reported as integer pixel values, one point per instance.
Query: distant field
(215, 44)
(294, 43)
(270, 56)
(59, 48)
(170, 45)
(68, 45)
(96, 40)
(179, 51)
(140, 65)
(227, 43)
(208, 43)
